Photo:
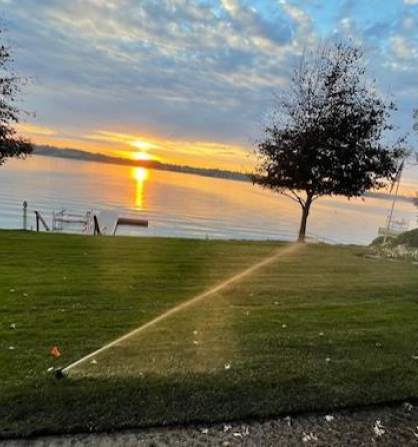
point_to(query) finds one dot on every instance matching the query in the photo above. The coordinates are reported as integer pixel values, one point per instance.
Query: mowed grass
(79, 293)
(319, 328)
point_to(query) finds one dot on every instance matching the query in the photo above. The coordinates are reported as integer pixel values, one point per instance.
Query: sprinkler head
(60, 373)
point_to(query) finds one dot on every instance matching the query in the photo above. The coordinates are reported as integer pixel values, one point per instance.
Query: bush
(409, 238)
(404, 246)
(378, 241)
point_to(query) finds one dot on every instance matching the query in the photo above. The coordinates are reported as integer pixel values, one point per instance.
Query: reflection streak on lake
(181, 204)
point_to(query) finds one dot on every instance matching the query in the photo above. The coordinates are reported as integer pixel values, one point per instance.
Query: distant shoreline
(76, 154)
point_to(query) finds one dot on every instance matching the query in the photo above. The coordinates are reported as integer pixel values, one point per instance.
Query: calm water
(180, 204)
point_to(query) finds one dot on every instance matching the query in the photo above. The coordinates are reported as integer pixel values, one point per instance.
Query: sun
(142, 156)
(144, 147)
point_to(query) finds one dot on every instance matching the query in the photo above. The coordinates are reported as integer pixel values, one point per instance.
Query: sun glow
(142, 156)
(140, 144)
(144, 147)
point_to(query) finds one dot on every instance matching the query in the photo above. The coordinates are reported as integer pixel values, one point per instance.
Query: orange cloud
(145, 147)
(33, 129)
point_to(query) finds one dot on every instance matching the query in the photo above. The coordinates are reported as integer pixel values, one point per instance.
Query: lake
(181, 205)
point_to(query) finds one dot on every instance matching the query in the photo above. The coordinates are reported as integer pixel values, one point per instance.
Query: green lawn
(321, 327)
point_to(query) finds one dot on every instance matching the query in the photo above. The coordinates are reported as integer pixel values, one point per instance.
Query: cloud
(402, 48)
(32, 129)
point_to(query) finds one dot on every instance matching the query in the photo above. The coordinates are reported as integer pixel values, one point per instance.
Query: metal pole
(391, 210)
(25, 215)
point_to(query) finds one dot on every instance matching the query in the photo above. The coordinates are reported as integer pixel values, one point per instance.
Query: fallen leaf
(288, 421)
(408, 406)
(378, 428)
(309, 437)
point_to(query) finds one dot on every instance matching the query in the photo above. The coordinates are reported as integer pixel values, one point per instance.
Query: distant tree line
(76, 154)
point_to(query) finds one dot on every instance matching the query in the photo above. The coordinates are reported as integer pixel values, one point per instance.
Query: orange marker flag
(55, 352)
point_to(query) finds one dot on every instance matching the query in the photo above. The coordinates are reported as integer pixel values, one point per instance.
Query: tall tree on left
(11, 145)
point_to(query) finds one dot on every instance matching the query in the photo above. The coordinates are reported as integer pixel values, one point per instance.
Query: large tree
(11, 145)
(327, 132)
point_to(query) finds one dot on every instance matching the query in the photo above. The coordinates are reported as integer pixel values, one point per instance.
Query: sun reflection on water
(140, 175)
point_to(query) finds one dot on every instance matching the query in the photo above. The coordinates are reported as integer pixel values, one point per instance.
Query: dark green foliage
(377, 241)
(11, 145)
(409, 238)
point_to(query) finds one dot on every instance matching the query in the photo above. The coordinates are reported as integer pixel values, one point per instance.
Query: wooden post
(40, 219)
(96, 226)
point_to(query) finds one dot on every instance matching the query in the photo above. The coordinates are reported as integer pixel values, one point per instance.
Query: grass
(320, 328)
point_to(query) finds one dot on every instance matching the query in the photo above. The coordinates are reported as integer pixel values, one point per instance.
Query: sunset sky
(188, 81)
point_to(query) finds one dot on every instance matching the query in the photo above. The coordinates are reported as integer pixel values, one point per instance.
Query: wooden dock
(89, 223)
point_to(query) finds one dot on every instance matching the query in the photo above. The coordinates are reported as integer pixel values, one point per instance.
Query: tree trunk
(305, 213)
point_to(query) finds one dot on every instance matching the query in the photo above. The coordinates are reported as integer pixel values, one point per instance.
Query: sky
(189, 82)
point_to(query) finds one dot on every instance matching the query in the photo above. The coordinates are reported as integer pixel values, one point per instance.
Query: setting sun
(142, 156)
